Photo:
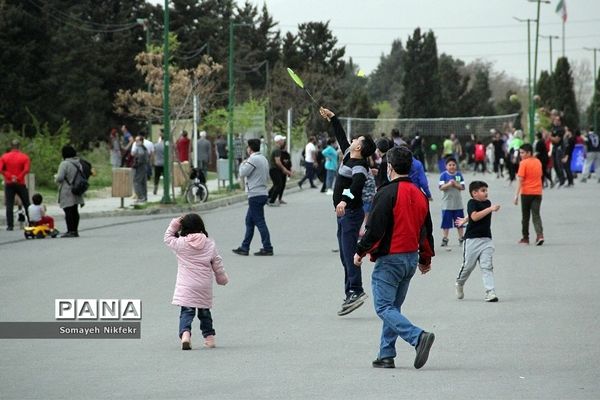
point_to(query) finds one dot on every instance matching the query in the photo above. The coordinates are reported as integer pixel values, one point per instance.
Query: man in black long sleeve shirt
(347, 200)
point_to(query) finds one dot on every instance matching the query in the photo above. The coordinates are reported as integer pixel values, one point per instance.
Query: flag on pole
(562, 9)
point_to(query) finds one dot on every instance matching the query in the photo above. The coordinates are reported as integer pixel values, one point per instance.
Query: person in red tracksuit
(14, 165)
(399, 239)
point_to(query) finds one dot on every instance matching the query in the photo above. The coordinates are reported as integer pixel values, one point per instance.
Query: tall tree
(479, 98)
(453, 86)
(593, 111)
(385, 83)
(257, 50)
(421, 96)
(564, 99)
(314, 55)
(357, 102)
(25, 44)
(545, 89)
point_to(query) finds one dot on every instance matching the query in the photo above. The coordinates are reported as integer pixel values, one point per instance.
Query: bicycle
(196, 190)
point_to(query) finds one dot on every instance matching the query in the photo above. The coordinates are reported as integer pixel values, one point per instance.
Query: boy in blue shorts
(451, 184)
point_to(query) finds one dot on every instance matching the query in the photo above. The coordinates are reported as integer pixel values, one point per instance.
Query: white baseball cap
(277, 138)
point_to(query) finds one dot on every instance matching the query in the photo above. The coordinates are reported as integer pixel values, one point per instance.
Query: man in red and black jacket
(14, 165)
(399, 238)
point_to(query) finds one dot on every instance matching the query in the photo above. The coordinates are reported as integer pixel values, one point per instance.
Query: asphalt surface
(278, 335)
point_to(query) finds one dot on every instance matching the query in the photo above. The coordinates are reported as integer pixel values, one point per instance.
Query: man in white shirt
(310, 162)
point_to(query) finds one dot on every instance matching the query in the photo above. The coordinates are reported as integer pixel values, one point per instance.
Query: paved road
(278, 335)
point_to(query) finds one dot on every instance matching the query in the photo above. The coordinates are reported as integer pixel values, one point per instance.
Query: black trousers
(158, 172)
(278, 178)
(72, 218)
(568, 172)
(10, 191)
(557, 155)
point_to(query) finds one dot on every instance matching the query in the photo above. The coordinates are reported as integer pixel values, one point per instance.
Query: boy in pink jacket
(198, 261)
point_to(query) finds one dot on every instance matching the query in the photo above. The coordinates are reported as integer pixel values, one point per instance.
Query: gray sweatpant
(482, 250)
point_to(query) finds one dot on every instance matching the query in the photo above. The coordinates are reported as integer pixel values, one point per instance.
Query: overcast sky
(467, 29)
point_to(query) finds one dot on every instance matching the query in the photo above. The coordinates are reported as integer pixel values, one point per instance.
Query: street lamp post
(550, 37)
(166, 117)
(596, 77)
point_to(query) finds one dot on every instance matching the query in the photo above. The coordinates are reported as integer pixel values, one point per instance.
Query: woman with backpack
(69, 175)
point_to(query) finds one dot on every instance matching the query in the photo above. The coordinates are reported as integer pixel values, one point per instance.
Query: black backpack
(80, 182)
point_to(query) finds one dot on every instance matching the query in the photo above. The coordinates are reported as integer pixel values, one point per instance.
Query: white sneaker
(459, 291)
(491, 297)
(329, 192)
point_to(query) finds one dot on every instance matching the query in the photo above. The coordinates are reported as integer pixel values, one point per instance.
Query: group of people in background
(554, 147)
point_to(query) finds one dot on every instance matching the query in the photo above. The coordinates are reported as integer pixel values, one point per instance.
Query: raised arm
(338, 130)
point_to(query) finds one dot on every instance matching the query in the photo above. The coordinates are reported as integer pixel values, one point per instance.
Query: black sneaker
(425, 342)
(352, 302)
(263, 252)
(10, 228)
(384, 363)
(240, 251)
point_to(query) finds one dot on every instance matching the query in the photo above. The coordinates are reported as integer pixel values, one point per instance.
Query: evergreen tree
(595, 103)
(313, 54)
(25, 44)
(564, 98)
(257, 50)
(421, 97)
(453, 86)
(356, 102)
(479, 97)
(545, 89)
(385, 83)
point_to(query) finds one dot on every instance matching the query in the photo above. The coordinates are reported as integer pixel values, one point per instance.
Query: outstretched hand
(326, 113)
(460, 222)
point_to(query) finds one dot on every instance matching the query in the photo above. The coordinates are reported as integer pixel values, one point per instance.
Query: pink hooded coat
(198, 261)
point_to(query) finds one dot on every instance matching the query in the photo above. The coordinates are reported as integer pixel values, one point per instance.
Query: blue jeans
(256, 217)
(186, 317)
(347, 235)
(310, 174)
(329, 178)
(390, 280)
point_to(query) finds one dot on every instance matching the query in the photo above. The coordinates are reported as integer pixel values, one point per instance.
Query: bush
(99, 157)
(44, 150)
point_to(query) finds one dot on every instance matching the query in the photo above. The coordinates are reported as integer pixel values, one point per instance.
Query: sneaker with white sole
(444, 242)
(460, 294)
(491, 297)
(352, 302)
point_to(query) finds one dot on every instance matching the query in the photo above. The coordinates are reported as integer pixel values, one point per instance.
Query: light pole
(166, 117)
(529, 85)
(550, 37)
(595, 105)
(230, 155)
